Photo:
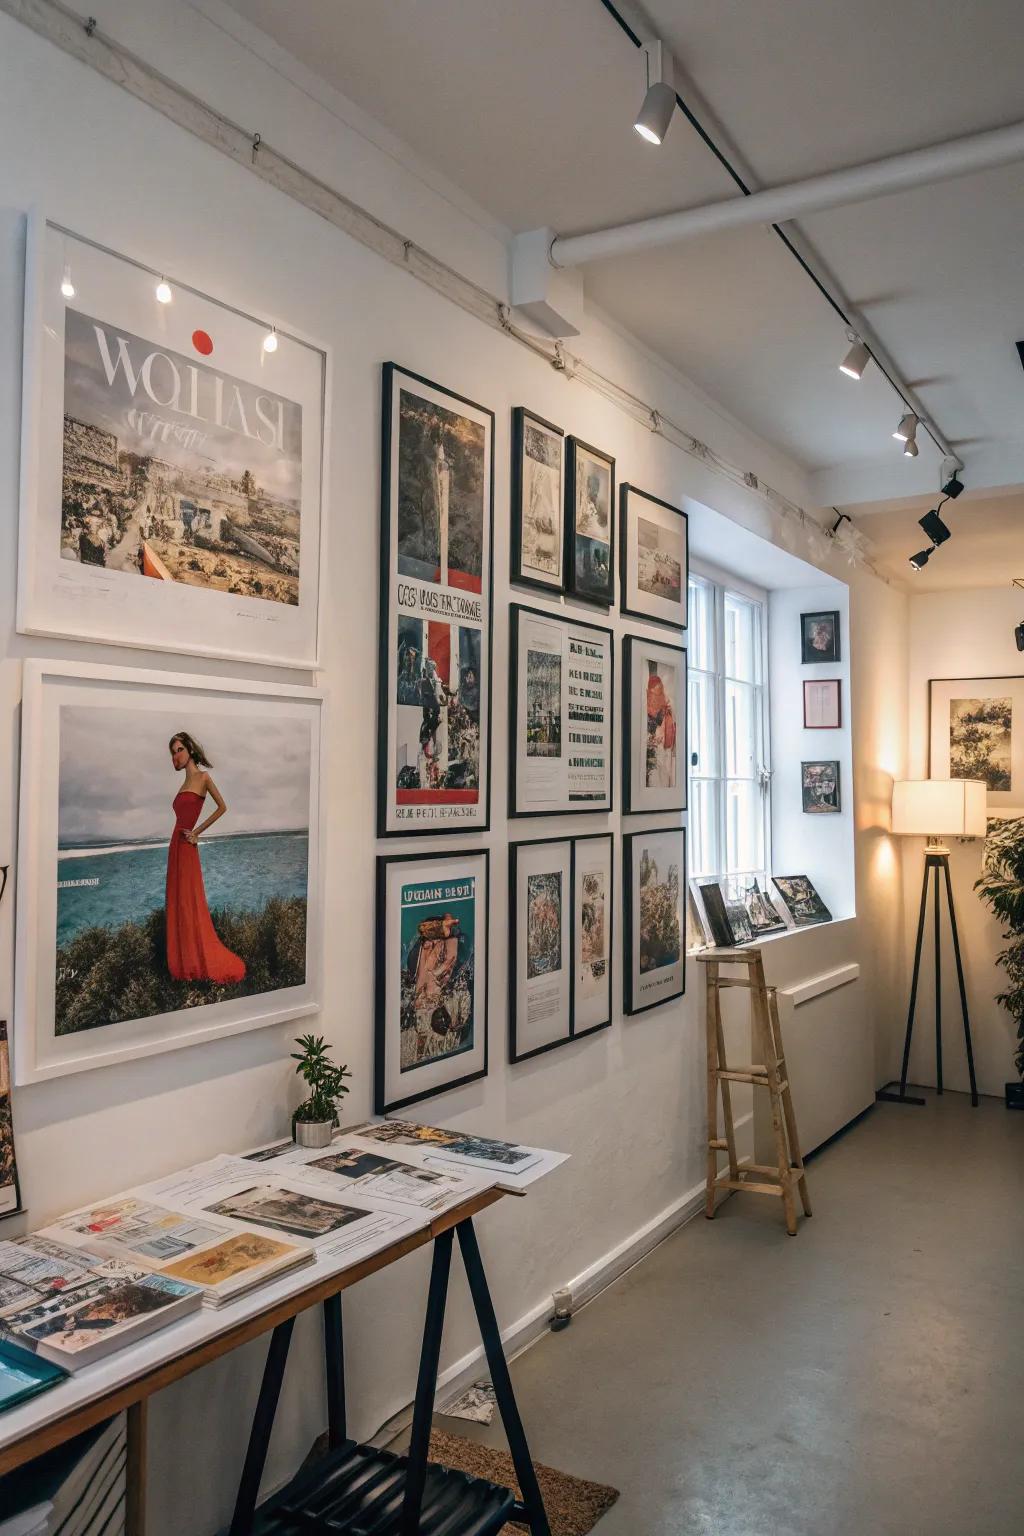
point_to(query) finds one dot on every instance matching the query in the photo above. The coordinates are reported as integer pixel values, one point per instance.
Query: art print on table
(561, 714)
(654, 559)
(10, 1190)
(823, 710)
(432, 974)
(654, 759)
(819, 637)
(801, 900)
(286, 1210)
(172, 468)
(170, 839)
(977, 732)
(654, 879)
(537, 496)
(819, 788)
(437, 509)
(589, 523)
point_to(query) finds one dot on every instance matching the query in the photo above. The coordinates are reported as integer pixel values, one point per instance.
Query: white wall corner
(551, 298)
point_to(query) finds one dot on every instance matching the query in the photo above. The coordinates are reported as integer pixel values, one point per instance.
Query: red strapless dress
(194, 952)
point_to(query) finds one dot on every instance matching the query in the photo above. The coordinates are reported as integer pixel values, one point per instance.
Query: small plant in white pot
(314, 1121)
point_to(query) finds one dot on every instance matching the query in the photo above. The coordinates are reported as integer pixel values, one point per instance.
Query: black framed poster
(654, 558)
(561, 714)
(654, 725)
(819, 637)
(654, 922)
(589, 523)
(537, 518)
(436, 586)
(431, 977)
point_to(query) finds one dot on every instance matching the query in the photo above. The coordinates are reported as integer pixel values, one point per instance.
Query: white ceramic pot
(313, 1133)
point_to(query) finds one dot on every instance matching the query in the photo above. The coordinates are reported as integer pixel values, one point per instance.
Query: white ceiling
(986, 547)
(528, 107)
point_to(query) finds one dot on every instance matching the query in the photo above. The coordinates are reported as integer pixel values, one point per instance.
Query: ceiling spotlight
(935, 528)
(953, 486)
(910, 449)
(920, 560)
(655, 116)
(907, 428)
(67, 287)
(856, 360)
(163, 291)
(270, 340)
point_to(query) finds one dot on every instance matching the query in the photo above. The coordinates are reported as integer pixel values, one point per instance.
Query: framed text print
(431, 1008)
(976, 730)
(560, 935)
(437, 518)
(654, 725)
(654, 558)
(561, 714)
(537, 520)
(589, 523)
(823, 707)
(172, 466)
(169, 886)
(653, 885)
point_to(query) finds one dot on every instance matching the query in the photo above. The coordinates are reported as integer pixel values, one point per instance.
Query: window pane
(702, 836)
(744, 827)
(701, 630)
(740, 738)
(703, 756)
(740, 654)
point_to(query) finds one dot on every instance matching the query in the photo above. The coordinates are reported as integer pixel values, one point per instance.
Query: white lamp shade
(939, 807)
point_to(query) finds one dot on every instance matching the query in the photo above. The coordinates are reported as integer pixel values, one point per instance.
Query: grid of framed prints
(976, 731)
(589, 523)
(172, 469)
(432, 932)
(819, 637)
(560, 714)
(560, 941)
(823, 706)
(654, 695)
(538, 519)
(437, 518)
(819, 788)
(654, 558)
(654, 917)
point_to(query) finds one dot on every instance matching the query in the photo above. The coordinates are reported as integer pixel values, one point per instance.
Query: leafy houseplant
(317, 1115)
(1001, 886)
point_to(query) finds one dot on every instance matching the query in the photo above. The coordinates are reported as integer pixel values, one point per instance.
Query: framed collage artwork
(654, 558)
(654, 700)
(589, 523)
(538, 521)
(654, 917)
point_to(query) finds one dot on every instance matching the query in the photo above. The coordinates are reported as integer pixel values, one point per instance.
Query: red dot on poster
(202, 342)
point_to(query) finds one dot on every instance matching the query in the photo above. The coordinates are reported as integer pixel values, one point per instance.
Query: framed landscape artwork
(823, 710)
(560, 938)
(654, 919)
(819, 788)
(434, 672)
(976, 731)
(819, 637)
(654, 559)
(141, 926)
(538, 521)
(561, 714)
(801, 900)
(432, 975)
(172, 468)
(654, 698)
(589, 523)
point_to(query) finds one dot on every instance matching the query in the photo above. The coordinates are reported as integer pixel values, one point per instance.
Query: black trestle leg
(334, 1359)
(426, 1385)
(262, 1424)
(533, 1503)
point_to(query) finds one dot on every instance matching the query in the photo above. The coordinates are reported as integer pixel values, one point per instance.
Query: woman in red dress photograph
(194, 952)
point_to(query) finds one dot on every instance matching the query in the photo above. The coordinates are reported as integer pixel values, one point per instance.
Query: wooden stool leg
(711, 992)
(730, 1128)
(766, 1045)
(796, 1156)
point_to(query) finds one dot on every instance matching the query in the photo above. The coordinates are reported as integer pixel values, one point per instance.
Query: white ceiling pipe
(835, 189)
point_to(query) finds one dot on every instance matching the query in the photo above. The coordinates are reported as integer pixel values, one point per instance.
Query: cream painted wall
(627, 1104)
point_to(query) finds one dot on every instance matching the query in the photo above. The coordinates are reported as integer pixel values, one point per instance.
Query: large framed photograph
(654, 698)
(432, 974)
(819, 788)
(560, 714)
(538, 522)
(654, 558)
(437, 524)
(820, 638)
(589, 523)
(170, 876)
(976, 731)
(560, 937)
(654, 926)
(172, 467)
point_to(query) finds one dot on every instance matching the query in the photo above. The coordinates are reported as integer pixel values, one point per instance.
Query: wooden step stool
(766, 1040)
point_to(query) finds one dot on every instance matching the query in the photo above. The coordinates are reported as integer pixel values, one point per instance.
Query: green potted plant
(314, 1121)
(1001, 886)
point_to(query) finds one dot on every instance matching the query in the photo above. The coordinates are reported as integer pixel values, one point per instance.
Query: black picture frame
(382, 1105)
(811, 655)
(385, 757)
(605, 598)
(649, 614)
(519, 575)
(682, 726)
(566, 621)
(516, 1055)
(825, 682)
(813, 804)
(6, 1103)
(798, 895)
(631, 1004)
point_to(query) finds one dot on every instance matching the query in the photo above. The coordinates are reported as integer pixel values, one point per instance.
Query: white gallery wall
(627, 1104)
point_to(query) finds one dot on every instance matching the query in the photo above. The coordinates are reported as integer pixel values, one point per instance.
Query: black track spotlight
(934, 527)
(920, 560)
(953, 487)
(1018, 635)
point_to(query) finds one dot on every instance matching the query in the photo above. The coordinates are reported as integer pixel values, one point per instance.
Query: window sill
(781, 937)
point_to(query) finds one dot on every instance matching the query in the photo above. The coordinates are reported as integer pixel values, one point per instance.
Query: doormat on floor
(573, 1505)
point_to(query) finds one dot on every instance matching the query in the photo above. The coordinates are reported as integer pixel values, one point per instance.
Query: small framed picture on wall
(819, 784)
(589, 523)
(654, 558)
(823, 706)
(654, 920)
(819, 637)
(537, 497)
(654, 729)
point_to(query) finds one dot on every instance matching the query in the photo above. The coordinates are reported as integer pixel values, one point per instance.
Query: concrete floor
(866, 1376)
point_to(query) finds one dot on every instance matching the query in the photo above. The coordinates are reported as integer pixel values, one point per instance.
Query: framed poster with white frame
(560, 937)
(589, 523)
(172, 467)
(976, 731)
(654, 558)
(654, 917)
(823, 707)
(538, 523)
(561, 714)
(436, 591)
(432, 975)
(654, 696)
(141, 927)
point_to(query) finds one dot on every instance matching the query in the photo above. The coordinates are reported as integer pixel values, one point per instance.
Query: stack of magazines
(78, 1489)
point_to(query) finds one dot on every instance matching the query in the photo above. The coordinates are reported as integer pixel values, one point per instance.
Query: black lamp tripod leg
(938, 990)
(913, 986)
(963, 989)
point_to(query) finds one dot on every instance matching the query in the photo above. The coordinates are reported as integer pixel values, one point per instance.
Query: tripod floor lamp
(936, 808)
